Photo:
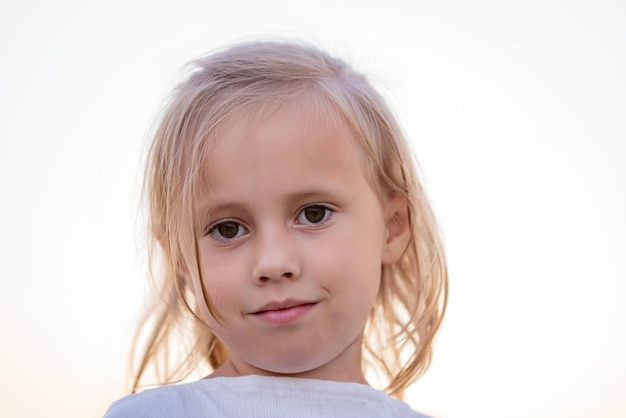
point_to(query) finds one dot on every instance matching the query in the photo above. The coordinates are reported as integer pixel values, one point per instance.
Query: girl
(300, 257)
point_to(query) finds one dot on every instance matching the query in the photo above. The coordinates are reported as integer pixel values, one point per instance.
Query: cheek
(351, 275)
(350, 258)
(222, 279)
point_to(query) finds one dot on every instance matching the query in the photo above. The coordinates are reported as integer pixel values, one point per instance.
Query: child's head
(279, 177)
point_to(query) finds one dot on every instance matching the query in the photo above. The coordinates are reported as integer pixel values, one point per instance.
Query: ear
(397, 229)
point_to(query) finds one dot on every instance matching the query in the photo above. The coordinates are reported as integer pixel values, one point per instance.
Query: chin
(293, 367)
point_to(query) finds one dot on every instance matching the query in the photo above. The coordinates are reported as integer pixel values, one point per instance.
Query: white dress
(262, 397)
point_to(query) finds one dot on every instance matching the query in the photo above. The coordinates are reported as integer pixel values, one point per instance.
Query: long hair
(250, 79)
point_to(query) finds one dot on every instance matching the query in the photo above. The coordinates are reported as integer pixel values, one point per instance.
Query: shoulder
(188, 400)
(288, 397)
(254, 396)
(370, 402)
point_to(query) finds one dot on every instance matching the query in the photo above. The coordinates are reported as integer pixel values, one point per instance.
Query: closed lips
(279, 306)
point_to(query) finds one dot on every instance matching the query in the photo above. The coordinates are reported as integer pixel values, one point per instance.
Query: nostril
(270, 277)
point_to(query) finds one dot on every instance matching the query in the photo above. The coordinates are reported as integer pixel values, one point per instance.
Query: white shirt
(262, 397)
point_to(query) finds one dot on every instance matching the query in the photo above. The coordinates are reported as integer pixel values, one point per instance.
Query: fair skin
(292, 247)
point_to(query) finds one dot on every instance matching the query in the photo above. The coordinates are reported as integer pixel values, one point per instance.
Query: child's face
(290, 222)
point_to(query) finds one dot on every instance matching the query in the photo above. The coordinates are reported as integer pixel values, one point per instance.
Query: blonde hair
(249, 79)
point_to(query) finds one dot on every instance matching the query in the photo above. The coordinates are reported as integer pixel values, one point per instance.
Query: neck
(346, 367)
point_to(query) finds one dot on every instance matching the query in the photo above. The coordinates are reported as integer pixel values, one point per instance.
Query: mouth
(280, 306)
(283, 312)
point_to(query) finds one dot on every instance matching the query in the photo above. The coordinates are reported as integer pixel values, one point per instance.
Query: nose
(275, 256)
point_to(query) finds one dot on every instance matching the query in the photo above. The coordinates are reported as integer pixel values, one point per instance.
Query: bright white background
(517, 112)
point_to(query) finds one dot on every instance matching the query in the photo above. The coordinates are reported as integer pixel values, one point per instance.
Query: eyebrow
(208, 208)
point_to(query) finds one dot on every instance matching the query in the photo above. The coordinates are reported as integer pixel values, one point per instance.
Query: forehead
(299, 126)
(291, 143)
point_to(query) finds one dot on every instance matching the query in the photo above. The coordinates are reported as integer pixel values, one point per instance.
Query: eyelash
(302, 219)
(328, 213)
(213, 230)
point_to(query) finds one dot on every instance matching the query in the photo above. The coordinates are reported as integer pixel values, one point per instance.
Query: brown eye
(315, 214)
(227, 230)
